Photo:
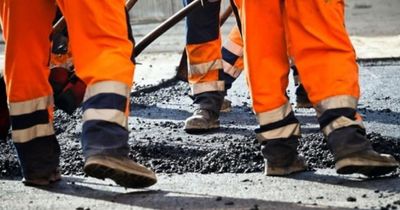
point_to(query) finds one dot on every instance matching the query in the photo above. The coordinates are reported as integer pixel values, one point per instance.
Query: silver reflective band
(234, 48)
(233, 71)
(340, 123)
(27, 107)
(335, 102)
(203, 68)
(107, 87)
(26, 135)
(207, 87)
(109, 115)
(274, 115)
(282, 132)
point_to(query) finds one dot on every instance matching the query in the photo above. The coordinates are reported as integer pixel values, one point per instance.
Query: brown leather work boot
(201, 121)
(297, 165)
(354, 154)
(124, 171)
(368, 163)
(281, 157)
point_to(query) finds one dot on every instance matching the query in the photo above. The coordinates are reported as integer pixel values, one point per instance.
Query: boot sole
(43, 182)
(132, 179)
(369, 168)
(283, 171)
(213, 127)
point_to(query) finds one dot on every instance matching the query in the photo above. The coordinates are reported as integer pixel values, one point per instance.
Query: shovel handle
(166, 25)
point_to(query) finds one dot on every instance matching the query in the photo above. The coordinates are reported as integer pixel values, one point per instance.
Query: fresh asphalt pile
(160, 143)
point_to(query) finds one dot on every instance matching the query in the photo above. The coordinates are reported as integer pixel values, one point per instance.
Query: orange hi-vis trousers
(232, 53)
(322, 51)
(203, 47)
(98, 35)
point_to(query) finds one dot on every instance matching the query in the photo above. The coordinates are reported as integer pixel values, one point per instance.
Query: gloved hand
(68, 89)
(4, 113)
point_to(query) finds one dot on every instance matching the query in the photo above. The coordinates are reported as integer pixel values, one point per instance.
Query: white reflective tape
(109, 115)
(335, 102)
(203, 68)
(25, 135)
(233, 71)
(274, 115)
(30, 106)
(282, 132)
(207, 87)
(107, 87)
(234, 48)
(340, 122)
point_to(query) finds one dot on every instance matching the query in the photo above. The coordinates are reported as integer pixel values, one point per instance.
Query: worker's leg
(203, 48)
(4, 112)
(323, 52)
(267, 69)
(26, 31)
(102, 55)
(232, 57)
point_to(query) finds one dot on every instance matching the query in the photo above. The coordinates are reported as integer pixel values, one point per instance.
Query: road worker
(98, 35)
(203, 47)
(232, 58)
(327, 66)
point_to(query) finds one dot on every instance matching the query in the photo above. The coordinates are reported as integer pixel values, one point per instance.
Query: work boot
(201, 121)
(43, 179)
(354, 154)
(122, 170)
(226, 106)
(281, 157)
(39, 160)
(302, 100)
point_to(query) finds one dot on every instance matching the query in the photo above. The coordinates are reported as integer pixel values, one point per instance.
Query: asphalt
(223, 169)
(322, 189)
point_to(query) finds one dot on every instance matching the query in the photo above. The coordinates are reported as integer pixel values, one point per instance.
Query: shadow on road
(162, 199)
(385, 116)
(381, 184)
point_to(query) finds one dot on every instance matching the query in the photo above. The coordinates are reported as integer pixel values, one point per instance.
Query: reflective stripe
(107, 87)
(203, 68)
(340, 123)
(109, 115)
(274, 115)
(342, 101)
(282, 132)
(234, 48)
(26, 107)
(25, 135)
(233, 71)
(207, 87)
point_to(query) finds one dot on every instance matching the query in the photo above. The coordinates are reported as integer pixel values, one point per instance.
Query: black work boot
(205, 117)
(281, 157)
(39, 160)
(354, 154)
